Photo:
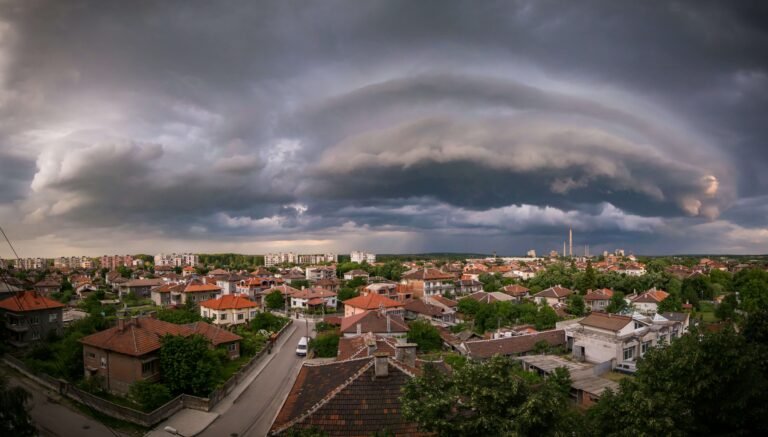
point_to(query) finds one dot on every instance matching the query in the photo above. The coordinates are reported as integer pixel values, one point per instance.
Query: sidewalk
(189, 422)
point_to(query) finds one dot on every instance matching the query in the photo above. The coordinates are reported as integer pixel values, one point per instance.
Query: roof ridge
(327, 398)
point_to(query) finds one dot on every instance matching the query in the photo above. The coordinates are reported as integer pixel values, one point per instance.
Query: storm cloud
(386, 126)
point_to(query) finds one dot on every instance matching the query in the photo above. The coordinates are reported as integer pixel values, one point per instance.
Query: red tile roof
(607, 321)
(229, 302)
(373, 321)
(557, 292)
(513, 345)
(515, 290)
(201, 288)
(312, 293)
(445, 301)
(427, 274)
(601, 294)
(141, 336)
(372, 301)
(346, 399)
(29, 301)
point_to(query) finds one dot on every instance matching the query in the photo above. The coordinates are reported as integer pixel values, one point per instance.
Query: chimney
(389, 324)
(381, 364)
(370, 341)
(359, 329)
(120, 324)
(135, 320)
(406, 353)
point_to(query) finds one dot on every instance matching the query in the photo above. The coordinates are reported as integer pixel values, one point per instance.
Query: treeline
(441, 256)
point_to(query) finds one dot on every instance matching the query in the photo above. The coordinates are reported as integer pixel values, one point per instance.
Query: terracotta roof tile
(513, 345)
(607, 321)
(29, 301)
(372, 301)
(373, 321)
(229, 302)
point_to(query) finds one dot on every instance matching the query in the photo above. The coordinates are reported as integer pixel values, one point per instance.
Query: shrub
(149, 395)
(326, 344)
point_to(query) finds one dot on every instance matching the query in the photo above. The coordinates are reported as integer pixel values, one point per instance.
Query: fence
(135, 416)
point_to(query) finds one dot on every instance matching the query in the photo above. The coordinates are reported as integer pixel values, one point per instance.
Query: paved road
(253, 412)
(54, 419)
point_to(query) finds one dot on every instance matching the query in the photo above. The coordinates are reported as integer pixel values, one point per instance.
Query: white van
(301, 349)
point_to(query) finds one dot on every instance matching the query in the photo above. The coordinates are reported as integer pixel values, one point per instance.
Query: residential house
(48, 286)
(429, 282)
(468, 286)
(29, 316)
(648, 302)
(253, 287)
(553, 295)
(163, 295)
(376, 322)
(417, 308)
(495, 296)
(196, 292)
(228, 284)
(443, 302)
(356, 397)
(316, 273)
(285, 290)
(512, 346)
(332, 284)
(518, 292)
(356, 273)
(587, 386)
(598, 300)
(229, 310)
(84, 289)
(602, 337)
(130, 351)
(313, 298)
(371, 301)
(139, 287)
(382, 288)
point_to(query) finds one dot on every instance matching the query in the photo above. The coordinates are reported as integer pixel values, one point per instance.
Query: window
(223, 316)
(662, 339)
(103, 362)
(644, 347)
(205, 313)
(53, 317)
(35, 335)
(148, 368)
(91, 355)
(253, 314)
(638, 325)
(34, 320)
(232, 347)
(240, 316)
(629, 353)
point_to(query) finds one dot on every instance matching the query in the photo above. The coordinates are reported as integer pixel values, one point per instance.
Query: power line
(9, 243)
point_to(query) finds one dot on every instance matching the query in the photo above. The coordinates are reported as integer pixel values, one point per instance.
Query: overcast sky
(413, 126)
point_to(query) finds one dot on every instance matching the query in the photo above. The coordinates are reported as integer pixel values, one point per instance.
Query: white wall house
(229, 310)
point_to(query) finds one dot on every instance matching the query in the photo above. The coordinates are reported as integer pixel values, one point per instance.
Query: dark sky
(387, 126)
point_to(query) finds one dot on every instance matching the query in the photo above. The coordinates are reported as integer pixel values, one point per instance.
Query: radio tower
(570, 242)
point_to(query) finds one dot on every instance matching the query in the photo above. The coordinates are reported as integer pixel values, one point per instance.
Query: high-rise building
(359, 257)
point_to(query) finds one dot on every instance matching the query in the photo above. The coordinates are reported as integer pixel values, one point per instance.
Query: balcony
(17, 326)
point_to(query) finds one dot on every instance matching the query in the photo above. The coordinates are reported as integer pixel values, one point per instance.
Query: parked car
(628, 367)
(301, 349)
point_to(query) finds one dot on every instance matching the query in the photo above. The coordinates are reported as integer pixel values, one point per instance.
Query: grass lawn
(614, 376)
(230, 367)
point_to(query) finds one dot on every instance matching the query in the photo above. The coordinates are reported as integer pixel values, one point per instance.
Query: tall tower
(564, 252)
(570, 241)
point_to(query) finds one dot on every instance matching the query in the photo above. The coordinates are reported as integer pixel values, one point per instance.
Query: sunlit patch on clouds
(476, 129)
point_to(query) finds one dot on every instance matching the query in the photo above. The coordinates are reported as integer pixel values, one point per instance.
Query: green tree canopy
(425, 335)
(275, 300)
(188, 365)
(576, 305)
(491, 398)
(149, 395)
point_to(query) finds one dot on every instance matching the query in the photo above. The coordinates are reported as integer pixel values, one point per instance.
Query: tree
(268, 322)
(495, 397)
(576, 305)
(326, 345)
(425, 335)
(727, 308)
(150, 395)
(713, 384)
(14, 415)
(469, 306)
(546, 318)
(189, 313)
(346, 294)
(187, 365)
(671, 304)
(617, 303)
(275, 300)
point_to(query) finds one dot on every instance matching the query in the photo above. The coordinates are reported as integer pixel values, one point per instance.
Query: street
(253, 412)
(53, 419)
